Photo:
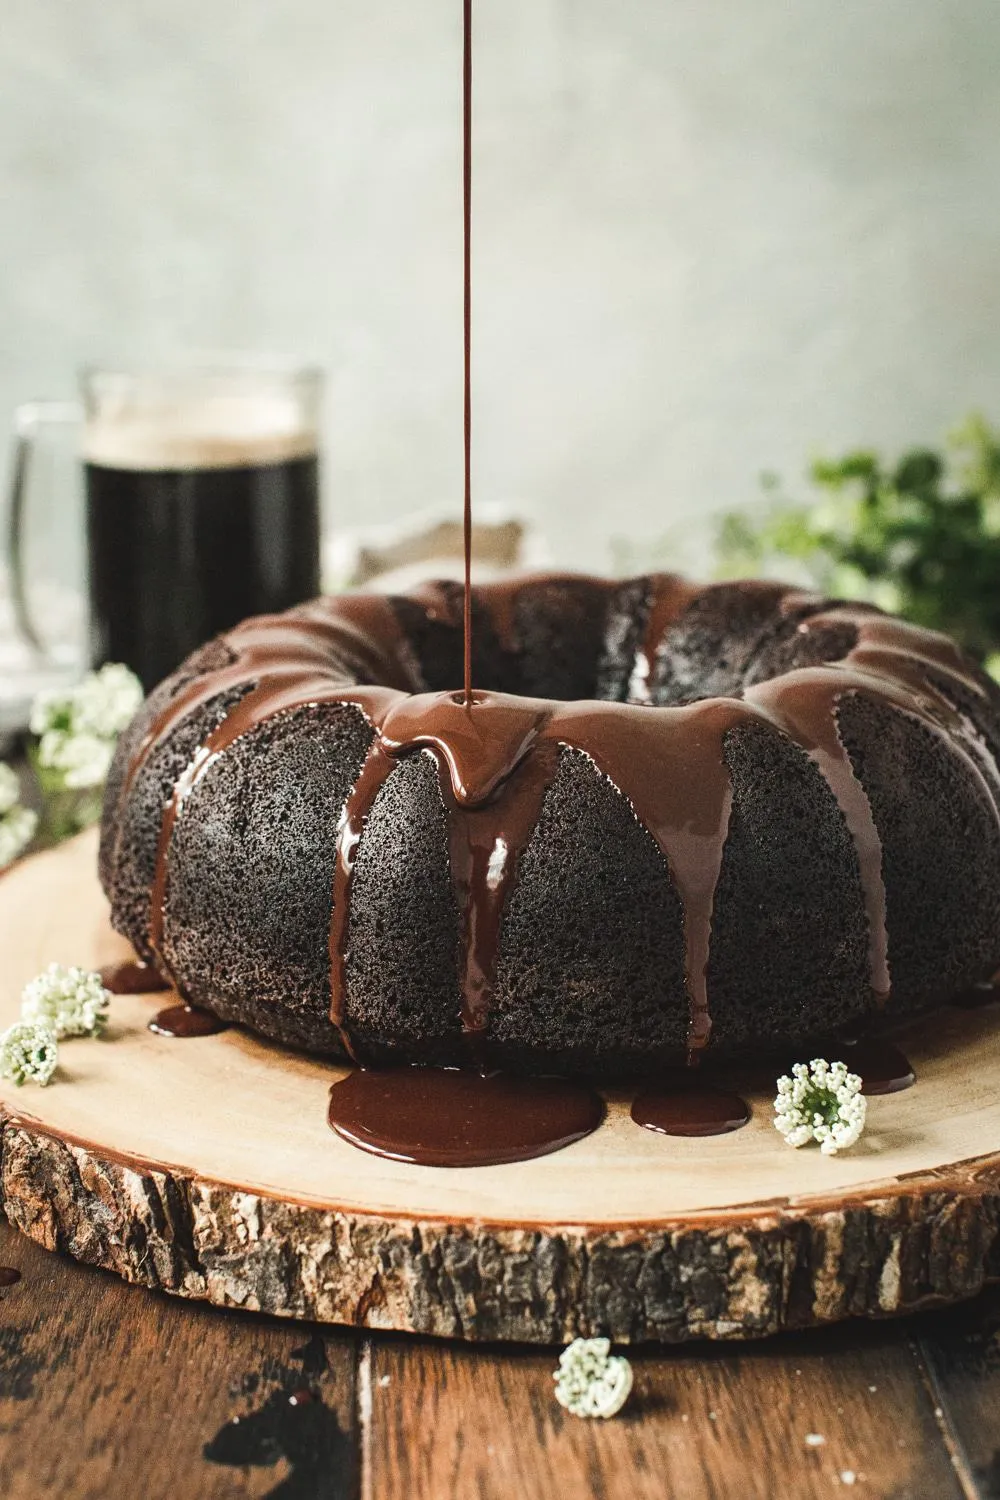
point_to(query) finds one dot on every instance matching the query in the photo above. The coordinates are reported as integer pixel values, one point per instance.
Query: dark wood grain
(704, 1424)
(107, 1391)
(960, 1351)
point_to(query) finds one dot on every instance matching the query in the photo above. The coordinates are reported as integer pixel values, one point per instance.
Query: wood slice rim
(124, 1162)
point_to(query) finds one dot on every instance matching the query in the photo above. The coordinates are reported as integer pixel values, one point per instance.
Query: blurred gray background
(710, 237)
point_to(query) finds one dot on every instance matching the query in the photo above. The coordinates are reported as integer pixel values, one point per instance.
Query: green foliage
(920, 537)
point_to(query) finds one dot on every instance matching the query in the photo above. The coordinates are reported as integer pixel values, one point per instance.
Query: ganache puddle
(442, 1117)
(133, 978)
(977, 996)
(9, 1275)
(883, 1068)
(186, 1021)
(690, 1109)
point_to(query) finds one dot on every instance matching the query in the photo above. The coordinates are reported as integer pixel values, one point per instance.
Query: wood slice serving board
(206, 1168)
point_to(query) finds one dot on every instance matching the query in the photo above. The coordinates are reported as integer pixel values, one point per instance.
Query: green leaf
(920, 536)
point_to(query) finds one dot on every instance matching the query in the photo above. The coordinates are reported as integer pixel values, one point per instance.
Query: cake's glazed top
(498, 756)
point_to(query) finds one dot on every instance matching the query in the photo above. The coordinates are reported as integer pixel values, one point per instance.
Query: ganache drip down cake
(676, 820)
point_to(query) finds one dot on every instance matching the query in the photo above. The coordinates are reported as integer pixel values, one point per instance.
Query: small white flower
(590, 1380)
(77, 728)
(49, 710)
(102, 704)
(28, 1051)
(105, 701)
(17, 829)
(83, 760)
(69, 1002)
(822, 1102)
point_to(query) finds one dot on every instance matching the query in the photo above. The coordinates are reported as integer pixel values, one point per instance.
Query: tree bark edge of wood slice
(764, 1270)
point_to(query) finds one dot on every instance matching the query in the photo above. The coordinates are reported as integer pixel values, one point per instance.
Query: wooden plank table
(109, 1391)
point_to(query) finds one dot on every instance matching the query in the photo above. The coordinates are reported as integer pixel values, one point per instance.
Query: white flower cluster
(590, 1380)
(28, 1051)
(57, 1004)
(71, 1002)
(821, 1102)
(77, 729)
(17, 823)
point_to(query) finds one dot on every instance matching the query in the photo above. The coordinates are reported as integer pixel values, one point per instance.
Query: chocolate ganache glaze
(497, 756)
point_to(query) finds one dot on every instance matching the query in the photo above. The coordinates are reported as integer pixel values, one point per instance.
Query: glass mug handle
(29, 417)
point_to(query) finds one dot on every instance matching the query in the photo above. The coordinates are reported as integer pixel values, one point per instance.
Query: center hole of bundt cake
(569, 639)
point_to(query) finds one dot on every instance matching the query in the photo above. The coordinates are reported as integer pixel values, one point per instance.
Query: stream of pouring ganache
(467, 344)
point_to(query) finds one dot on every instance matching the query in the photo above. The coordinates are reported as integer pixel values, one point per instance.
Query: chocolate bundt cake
(737, 817)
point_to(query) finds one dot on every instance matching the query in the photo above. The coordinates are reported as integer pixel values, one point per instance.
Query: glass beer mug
(200, 506)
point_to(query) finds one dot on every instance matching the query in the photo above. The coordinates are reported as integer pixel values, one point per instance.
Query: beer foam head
(218, 431)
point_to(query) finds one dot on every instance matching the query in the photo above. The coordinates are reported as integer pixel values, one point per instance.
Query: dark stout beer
(182, 545)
